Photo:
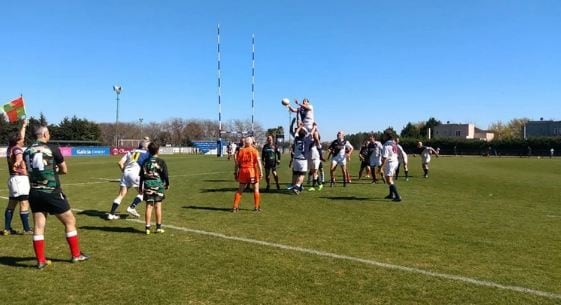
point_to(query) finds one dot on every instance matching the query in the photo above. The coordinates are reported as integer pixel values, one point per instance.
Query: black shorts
(20, 198)
(364, 164)
(53, 202)
(271, 166)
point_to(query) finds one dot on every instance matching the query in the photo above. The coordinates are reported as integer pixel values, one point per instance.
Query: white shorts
(300, 165)
(18, 186)
(390, 167)
(338, 160)
(313, 164)
(130, 179)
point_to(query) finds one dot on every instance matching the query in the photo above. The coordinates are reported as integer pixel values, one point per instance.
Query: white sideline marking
(368, 262)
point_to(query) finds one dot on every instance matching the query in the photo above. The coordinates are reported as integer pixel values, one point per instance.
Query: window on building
(458, 133)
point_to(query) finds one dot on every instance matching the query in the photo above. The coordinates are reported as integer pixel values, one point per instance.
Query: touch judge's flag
(15, 110)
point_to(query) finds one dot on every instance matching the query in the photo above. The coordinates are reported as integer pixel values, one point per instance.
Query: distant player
(390, 162)
(403, 160)
(364, 162)
(375, 158)
(340, 151)
(314, 160)
(426, 151)
(271, 158)
(129, 165)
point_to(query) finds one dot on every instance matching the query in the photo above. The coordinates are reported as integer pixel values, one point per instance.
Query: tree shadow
(24, 262)
(207, 208)
(113, 229)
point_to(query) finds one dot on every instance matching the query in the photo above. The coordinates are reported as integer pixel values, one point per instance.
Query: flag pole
(219, 149)
(252, 81)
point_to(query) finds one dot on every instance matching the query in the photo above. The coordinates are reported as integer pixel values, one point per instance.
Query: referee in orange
(248, 171)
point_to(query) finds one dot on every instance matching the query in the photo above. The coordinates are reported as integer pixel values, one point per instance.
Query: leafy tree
(411, 131)
(431, 123)
(76, 129)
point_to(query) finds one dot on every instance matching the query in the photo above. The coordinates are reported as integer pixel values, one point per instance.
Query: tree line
(175, 131)
(182, 132)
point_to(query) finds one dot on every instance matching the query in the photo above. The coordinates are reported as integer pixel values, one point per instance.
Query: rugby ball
(285, 101)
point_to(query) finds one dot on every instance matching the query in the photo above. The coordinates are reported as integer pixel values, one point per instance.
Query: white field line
(446, 276)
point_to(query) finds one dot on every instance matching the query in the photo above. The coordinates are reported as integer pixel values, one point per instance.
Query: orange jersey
(248, 159)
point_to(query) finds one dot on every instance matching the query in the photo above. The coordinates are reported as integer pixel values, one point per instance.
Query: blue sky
(364, 65)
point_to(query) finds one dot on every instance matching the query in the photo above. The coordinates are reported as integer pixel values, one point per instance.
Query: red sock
(72, 239)
(256, 200)
(237, 199)
(39, 247)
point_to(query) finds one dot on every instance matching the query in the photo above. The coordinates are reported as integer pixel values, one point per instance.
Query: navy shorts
(53, 202)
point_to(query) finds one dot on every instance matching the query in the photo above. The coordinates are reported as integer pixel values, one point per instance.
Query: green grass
(488, 219)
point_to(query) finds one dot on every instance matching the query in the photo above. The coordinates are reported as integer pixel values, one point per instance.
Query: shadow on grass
(219, 190)
(113, 229)
(194, 207)
(99, 214)
(219, 180)
(24, 262)
(338, 198)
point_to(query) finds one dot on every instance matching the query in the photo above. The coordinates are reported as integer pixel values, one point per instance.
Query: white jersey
(425, 154)
(307, 116)
(390, 154)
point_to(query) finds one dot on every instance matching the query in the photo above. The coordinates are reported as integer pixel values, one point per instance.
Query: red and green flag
(15, 110)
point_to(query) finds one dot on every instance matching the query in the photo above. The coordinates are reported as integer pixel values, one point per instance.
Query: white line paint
(446, 276)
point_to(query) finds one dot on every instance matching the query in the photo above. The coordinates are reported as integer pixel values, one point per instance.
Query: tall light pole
(140, 121)
(117, 89)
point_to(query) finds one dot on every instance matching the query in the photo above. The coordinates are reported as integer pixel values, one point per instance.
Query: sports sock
(72, 239)
(237, 198)
(136, 201)
(158, 226)
(24, 215)
(406, 174)
(8, 214)
(256, 200)
(114, 207)
(39, 248)
(393, 190)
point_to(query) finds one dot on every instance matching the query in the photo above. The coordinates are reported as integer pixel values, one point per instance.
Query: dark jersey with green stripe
(154, 174)
(41, 159)
(270, 154)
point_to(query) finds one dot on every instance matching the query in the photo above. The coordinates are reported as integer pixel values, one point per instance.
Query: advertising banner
(90, 151)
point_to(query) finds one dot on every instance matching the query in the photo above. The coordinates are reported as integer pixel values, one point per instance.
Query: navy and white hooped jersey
(375, 153)
(339, 148)
(390, 152)
(300, 148)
